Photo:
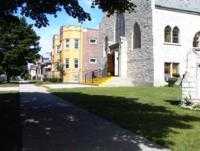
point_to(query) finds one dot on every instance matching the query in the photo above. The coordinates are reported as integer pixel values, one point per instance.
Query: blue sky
(46, 33)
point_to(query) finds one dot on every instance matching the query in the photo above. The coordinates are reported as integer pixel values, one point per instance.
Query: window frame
(67, 43)
(93, 62)
(171, 69)
(196, 40)
(58, 48)
(176, 36)
(169, 32)
(137, 36)
(119, 26)
(76, 64)
(76, 44)
(67, 63)
(96, 41)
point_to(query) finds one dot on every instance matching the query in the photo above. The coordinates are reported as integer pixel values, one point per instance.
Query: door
(111, 64)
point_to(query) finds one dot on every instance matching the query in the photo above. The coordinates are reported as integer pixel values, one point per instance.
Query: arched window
(196, 41)
(106, 43)
(120, 26)
(176, 35)
(137, 36)
(168, 34)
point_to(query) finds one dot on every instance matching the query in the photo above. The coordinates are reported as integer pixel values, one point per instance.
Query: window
(137, 36)
(171, 70)
(176, 35)
(76, 43)
(119, 26)
(106, 44)
(76, 78)
(167, 68)
(67, 63)
(75, 63)
(58, 48)
(93, 60)
(175, 69)
(93, 41)
(168, 34)
(67, 43)
(196, 41)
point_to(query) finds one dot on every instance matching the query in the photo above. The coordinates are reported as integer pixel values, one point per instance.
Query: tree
(38, 9)
(19, 45)
(60, 68)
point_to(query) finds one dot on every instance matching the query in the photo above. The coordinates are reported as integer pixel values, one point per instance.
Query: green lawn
(151, 112)
(12, 84)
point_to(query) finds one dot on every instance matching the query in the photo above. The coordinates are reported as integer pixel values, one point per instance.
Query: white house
(152, 43)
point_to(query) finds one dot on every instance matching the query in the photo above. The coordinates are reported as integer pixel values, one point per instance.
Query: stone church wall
(140, 60)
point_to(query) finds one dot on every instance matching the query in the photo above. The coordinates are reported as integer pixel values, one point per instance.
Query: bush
(171, 81)
(27, 76)
(187, 101)
(176, 75)
(53, 80)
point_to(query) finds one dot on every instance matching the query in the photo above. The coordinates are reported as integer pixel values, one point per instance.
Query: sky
(46, 33)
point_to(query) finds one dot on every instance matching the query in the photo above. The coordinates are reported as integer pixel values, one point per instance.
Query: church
(152, 43)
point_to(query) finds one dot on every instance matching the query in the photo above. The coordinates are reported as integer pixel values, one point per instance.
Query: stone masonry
(139, 61)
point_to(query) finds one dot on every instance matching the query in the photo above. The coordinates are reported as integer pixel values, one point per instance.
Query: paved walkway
(7, 89)
(67, 85)
(52, 125)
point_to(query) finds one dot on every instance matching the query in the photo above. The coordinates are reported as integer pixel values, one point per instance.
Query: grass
(11, 84)
(10, 128)
(151, 112)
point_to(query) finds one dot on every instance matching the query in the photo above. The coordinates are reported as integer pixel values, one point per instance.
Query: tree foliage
(38, 9)
(19, 45)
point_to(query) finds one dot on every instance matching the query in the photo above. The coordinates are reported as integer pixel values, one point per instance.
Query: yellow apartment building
(67, 49)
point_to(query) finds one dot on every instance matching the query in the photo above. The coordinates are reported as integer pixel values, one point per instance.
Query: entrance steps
(119, 82)
(110, 82)
(99, 81)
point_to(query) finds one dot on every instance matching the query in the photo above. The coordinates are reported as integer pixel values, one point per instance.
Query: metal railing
(91, 75)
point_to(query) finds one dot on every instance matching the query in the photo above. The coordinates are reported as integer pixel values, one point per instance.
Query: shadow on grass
(11, 84)
(174, 102)
(153, 122)
(10, 127)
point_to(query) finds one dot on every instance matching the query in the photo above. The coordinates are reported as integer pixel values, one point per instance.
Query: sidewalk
(50, 124)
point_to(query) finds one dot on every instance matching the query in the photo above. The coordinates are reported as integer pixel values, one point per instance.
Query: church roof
(183, 5)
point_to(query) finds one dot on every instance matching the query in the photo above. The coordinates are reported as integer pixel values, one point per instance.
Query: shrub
(187, 101)
(176, 75)
(53, 80)
(171, 81)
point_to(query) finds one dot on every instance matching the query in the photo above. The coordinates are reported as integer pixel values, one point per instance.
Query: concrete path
(67, 85)
(52, 125)
(9, 89)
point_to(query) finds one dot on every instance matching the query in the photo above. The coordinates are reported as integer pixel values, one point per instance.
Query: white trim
(170, 43)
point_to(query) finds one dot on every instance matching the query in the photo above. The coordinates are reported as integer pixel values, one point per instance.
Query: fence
(91, 75)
